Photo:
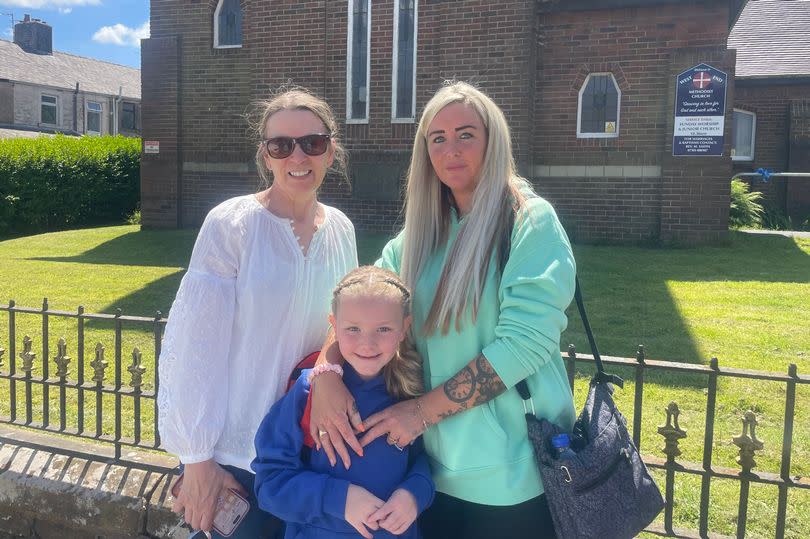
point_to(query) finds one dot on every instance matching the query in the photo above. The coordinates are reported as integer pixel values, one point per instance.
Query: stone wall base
(50, 488)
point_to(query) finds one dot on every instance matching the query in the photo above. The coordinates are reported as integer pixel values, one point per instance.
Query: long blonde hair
(499, 193)
(294, 98)
(403, 374)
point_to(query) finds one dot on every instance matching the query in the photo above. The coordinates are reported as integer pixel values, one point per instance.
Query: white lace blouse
(249, 308)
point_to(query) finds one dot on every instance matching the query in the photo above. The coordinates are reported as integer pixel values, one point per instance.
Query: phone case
(231, 509)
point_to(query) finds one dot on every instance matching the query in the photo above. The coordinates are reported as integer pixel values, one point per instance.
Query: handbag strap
(601, 376)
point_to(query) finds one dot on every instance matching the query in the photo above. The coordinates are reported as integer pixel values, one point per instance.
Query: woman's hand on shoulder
(332, 416)
(203, 483)
(401, 421)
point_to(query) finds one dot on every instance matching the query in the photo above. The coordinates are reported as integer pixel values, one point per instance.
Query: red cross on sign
(701, 80)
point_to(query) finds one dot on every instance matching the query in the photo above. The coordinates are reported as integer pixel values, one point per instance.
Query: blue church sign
(700, 111)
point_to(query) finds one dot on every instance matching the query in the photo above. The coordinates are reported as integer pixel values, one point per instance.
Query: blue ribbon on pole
(765, 174)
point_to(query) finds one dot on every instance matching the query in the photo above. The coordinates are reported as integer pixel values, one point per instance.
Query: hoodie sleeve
(284, 486)
(418, 481)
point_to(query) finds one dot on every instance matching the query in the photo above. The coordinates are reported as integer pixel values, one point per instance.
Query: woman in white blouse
(254, 301)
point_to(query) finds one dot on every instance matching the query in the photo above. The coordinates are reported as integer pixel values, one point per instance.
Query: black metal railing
(93, 388)
(747, 442)
(135, 392)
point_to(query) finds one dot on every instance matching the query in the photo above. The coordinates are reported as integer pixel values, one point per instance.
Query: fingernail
(360, 453)
(362, 428)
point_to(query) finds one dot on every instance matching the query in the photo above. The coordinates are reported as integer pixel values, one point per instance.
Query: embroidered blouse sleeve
(194, 357)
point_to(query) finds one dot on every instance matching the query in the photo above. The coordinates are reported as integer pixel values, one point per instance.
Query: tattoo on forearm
(488, 380)
(479, 385)
(460, 387)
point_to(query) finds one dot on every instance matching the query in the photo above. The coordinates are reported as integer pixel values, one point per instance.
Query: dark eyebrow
(456, 129)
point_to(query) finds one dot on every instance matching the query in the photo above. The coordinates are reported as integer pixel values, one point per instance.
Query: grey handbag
(600, 489)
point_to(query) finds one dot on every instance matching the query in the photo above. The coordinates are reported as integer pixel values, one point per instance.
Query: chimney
(34, 35)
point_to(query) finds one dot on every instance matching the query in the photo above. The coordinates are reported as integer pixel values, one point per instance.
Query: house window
(359, 61)
(128, 119)
(47, 110)
(598, 110)
(228, 25)
(743, 135)
(93, 117)
(404, 77)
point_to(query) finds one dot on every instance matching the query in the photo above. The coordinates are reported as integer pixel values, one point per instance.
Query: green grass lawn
(746, 304)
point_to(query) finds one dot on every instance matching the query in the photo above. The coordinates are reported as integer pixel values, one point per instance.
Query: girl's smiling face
(368, 329)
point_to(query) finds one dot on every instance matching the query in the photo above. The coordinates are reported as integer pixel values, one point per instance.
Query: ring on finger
(392, 441)
(322, 433)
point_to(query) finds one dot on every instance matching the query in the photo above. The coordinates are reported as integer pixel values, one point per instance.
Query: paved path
(786, 233)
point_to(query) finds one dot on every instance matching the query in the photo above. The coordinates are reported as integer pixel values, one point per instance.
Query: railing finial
(672, 432)
(99, 364)
(27, 356)
(61, 359)
(748, 442)
(136, 370)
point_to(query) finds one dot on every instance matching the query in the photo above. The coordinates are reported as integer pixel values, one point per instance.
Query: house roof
(63, 70)
(772, 39)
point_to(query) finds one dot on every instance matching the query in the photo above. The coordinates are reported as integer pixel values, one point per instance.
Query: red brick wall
(159, 117)
(531, 62)
(644, 48)
(771, 103)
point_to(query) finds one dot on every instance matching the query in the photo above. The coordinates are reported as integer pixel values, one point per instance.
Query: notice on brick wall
(700, 111)
(151, 146)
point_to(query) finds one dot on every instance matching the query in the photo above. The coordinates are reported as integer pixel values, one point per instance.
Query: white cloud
(118, 34)
(49, 4)
(65, 10)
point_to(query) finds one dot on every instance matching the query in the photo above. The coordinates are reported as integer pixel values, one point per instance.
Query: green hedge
(51, 183)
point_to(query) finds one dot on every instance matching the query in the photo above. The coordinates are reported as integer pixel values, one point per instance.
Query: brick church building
(588, 86)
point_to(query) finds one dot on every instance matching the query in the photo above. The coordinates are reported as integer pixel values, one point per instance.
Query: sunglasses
(281, 147)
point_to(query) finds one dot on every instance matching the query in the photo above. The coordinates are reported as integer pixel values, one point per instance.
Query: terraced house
(588, 86)
(47, 91)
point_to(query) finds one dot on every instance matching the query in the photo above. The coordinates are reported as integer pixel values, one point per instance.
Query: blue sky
(108, 30)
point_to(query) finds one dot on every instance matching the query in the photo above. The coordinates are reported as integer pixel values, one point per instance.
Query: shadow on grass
(160, 248)
(628, 302)
(156, 296)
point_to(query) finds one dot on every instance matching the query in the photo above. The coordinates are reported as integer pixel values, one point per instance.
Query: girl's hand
(398, 513)
(333, 407)
(360, 505)
(401, 421)
(203, 483)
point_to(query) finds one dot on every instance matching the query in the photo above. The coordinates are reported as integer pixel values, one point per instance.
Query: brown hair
(403, 374)
(295, 98)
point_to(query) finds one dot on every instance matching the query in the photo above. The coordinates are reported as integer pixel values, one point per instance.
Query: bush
(51, 183)
(746, 211)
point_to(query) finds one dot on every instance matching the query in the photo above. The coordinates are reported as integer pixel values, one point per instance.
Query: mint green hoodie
(483, 454)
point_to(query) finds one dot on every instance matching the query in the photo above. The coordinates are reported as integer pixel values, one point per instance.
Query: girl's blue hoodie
(297, 483)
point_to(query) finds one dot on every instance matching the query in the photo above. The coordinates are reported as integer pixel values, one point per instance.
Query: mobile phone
(232, 508)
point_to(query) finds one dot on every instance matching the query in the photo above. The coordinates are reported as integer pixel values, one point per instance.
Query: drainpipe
(75, 109)
(116, 103)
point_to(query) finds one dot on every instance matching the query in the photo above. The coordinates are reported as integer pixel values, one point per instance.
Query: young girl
(389, 485)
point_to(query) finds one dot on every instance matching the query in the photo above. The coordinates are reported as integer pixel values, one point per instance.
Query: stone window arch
(599, 107)
(228, 24)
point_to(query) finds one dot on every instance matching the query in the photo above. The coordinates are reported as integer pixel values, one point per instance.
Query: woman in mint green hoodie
(492, 273)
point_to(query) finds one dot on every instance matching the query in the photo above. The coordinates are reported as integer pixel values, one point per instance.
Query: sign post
(700, 111)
